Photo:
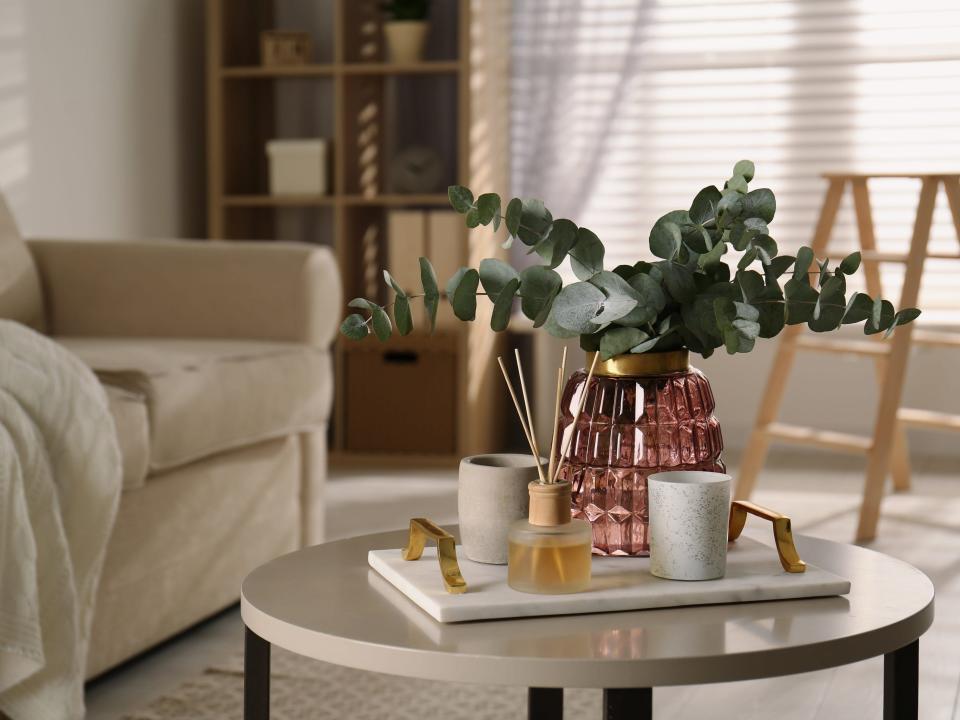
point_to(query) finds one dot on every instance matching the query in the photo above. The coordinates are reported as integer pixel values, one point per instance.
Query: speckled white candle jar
(689, 513)
(492, 494)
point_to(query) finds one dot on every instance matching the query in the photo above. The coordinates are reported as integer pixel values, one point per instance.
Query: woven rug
(304, 689)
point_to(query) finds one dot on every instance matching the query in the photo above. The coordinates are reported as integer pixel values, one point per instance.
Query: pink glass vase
(643, 414)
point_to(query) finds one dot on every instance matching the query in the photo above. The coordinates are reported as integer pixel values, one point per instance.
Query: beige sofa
(216, 362)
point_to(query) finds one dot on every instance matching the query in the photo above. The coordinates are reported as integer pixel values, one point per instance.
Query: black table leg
(901, 675)
(545, 704)
(256, 677)
(628, 704)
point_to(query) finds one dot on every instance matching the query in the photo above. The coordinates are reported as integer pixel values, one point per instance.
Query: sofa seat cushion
(208, 396)
(129, 411)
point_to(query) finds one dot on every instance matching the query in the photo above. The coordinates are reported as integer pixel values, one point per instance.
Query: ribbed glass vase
(643, 414)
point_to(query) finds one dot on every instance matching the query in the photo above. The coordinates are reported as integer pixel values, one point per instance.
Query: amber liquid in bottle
(551, 553)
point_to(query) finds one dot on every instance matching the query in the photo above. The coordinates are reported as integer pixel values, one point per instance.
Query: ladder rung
(936, 338)
(928, 419)
(890, 257)
(857, 347)
(822, 438)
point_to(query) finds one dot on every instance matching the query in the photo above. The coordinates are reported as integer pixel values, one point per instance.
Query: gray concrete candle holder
(491, 494)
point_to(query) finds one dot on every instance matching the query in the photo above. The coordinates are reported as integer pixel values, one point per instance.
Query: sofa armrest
(182, 288)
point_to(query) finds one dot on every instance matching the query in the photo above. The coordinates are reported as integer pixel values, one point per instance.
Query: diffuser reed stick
(523, 423)
(583, 400)
(561, 373)
(526, 404)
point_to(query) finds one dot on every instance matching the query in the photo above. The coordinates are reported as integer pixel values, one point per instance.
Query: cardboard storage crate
(401, 395)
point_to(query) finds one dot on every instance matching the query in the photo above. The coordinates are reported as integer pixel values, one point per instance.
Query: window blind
(623, 110)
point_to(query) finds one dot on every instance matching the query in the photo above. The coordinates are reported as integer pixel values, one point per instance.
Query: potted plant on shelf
(646, 410)
(405, 29)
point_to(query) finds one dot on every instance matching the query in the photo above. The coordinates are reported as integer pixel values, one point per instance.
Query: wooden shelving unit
(360, 112)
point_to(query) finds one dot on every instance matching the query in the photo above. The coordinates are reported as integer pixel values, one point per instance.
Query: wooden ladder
(887, 450)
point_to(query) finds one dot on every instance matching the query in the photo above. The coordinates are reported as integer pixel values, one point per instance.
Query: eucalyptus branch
(688, 297)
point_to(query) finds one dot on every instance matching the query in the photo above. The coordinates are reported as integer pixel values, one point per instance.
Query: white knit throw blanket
(60, 481)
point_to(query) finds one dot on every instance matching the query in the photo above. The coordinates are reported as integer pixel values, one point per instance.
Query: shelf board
(324, 200)
(396, 199)
(277, 200)
(426, 67)
(261, 71)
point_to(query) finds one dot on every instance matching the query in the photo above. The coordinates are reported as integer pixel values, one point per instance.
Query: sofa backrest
(20, 296)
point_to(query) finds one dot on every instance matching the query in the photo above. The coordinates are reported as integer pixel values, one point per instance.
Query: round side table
(324, 602)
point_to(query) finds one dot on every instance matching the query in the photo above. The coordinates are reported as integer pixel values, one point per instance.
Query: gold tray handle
(782, 532)
(422, 530)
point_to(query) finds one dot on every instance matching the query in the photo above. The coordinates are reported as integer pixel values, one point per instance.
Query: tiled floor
(820, 492)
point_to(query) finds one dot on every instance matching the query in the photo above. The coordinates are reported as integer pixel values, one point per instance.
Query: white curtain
(622, 110)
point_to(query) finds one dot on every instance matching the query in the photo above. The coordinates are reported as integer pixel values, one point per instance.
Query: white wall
(102, 116)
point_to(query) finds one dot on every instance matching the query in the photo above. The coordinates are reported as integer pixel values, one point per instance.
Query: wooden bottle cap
(549, 503)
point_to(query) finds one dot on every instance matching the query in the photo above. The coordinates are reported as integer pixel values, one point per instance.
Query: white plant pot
(689, 518)
(492, 493)
(405, 40)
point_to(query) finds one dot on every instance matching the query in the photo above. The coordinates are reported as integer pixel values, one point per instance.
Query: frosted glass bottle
(551, 552)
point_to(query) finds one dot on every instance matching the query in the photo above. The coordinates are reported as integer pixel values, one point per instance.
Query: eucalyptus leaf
(555, 247)
(801, 267)
(512, 216)
(744, 168)
(729, 207)
(615, 309)
(402, 315)
(431, 292)
(760, 203)
(738, 183)
(801, 299)
(577, 305)
(766, 248)
(618, 340)
(704, 205)
(829, 309)
(586, 256)
(354, 327)
(778, 266)
(713, 256)
(748, 257)
(504, 305)
(464, 295)
(880, 319)
(461, 198)
(650, 292)
(859, 308)
(539, 286)
(488, 208)
(494, 276)
(850, 264)
(665, 239)
(646, 345)
(535, 222)
(679, 281)
(382, 327)
(391, 282)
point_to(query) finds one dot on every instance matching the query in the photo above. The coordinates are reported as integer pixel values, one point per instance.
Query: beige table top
(324, 602)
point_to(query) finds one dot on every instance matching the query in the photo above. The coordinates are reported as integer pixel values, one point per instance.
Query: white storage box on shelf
(298, 167)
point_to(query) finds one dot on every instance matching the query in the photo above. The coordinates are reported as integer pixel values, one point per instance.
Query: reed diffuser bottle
(550, 553)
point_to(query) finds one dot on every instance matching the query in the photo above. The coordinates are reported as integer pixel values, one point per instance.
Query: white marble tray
(753, 573)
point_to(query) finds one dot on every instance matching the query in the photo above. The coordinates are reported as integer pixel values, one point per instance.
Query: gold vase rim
(642, 364)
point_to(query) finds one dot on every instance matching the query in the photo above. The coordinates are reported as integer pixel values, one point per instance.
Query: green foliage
(691, 297)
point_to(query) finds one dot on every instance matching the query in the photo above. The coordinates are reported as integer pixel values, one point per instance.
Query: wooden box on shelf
(401, 395)
(284, 47)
